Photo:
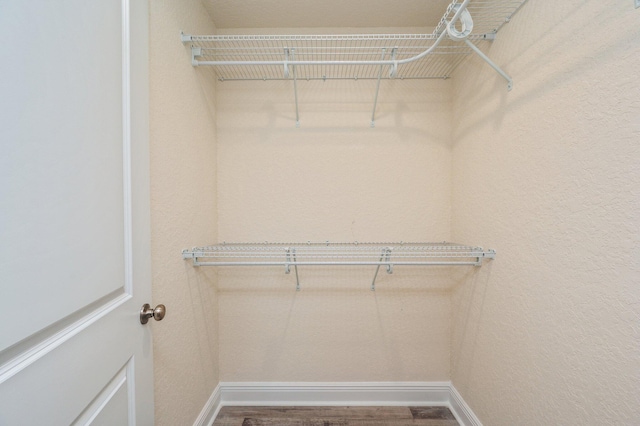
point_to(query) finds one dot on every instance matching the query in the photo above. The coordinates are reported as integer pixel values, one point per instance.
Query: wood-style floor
(335, 416)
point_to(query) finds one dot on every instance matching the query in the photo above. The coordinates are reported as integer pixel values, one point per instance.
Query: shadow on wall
(405, 109)
(335, 328)
(468, 295)
(206, 77)
(546, 59)
(316, 279)
(201, 288)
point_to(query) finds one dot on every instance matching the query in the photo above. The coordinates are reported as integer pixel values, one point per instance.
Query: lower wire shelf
(289, 255)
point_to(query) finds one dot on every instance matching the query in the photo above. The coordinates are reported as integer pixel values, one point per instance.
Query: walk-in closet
(363, 212)
(291, 131)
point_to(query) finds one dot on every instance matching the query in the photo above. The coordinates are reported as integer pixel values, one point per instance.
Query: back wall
(335, 178)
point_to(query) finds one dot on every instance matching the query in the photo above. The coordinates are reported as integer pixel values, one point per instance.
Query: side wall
(335, 178)
(183, 190)
(549, 176)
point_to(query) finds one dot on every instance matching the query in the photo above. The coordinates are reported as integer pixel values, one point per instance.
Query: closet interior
(333, 148)
(462, 28)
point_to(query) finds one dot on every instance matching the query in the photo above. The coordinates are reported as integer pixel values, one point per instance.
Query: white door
(74, 213)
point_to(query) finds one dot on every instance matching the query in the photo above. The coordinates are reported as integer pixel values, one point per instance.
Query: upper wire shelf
(352, 56)
(358, 56)
(319, 54)
(289, 255)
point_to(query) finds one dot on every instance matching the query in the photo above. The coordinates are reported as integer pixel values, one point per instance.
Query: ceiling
(229, 14)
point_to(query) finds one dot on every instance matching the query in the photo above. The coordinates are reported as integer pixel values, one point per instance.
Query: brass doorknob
(147, 312)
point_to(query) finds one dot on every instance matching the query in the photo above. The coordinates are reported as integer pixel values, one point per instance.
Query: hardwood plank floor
(335, 416)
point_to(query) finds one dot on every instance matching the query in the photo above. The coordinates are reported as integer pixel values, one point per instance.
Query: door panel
(74, 216)
(61, 169)
(61, 385)
(113, 409)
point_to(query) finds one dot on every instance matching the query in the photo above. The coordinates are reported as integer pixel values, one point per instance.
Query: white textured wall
(183, 187)
(336, 179)
(549, 176)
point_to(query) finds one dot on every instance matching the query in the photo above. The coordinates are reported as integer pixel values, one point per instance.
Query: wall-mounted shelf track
(358, 56)
(288, 255)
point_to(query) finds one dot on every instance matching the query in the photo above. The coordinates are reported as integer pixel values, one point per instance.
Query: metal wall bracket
(385, 256)
(489, 254)
(485, 254)
(287, 263)
(375, 100)
(295, 87)
(291, 259)
(491, 63)
(286, 63)
(393, 69)
(295, 267)
(196, 52)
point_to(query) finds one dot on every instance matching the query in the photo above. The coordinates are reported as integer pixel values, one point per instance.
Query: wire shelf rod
(302, 263)
(352, 56)
(393, 63)
(337, 254)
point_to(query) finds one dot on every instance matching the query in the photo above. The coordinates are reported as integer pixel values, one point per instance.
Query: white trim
(464, 414)
(210, 410)
(131, 389)
(27, 357)
(95, 408)
(337, 394)
(127, 183)
(310, 394)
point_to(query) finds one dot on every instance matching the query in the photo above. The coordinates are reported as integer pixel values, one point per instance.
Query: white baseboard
(210, 410)
(337, 394)
(461, 410)
(310, 394)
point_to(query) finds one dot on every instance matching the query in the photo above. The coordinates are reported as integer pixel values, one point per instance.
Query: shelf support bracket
(295, 267)
(287, 262)
(491, 63)
(388, 259)
(285, 64)
(189, 254)
(485, 254)
(489, 254)
(373, 283)
(393, 69)
(375, 100)
(195, 52)
(295, 88)
(291, 259)
(385, 255)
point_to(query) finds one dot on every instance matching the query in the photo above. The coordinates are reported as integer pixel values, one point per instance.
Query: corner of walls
(184, 213)
(547, 175)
